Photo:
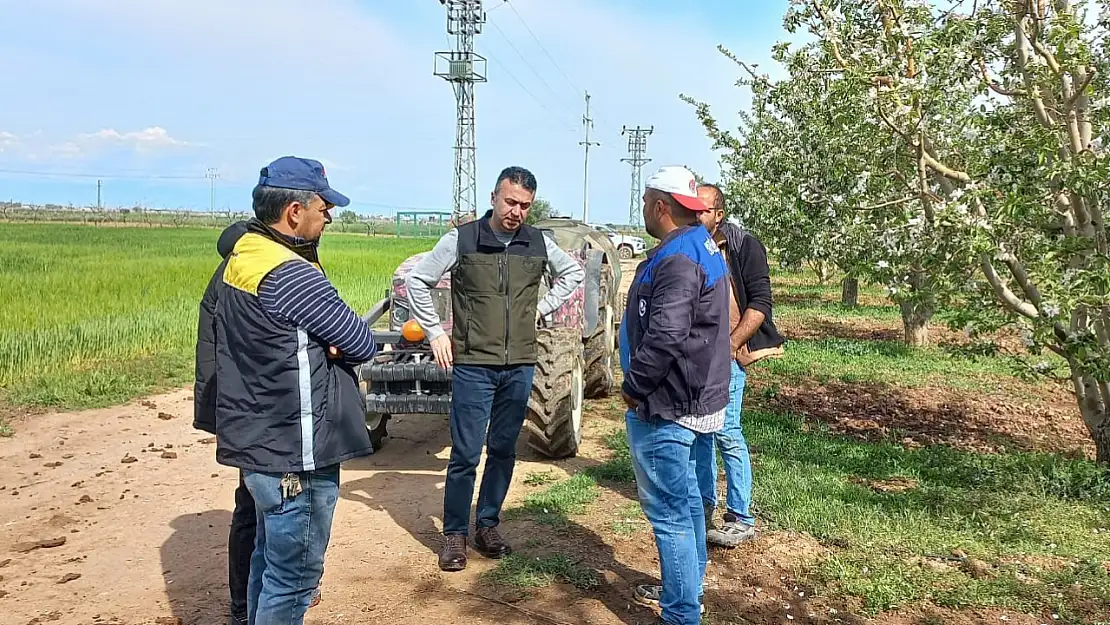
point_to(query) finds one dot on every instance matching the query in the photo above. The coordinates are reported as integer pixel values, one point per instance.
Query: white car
(627, 246)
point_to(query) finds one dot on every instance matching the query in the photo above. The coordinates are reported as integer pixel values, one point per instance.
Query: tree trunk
(1102, 445)
(915, 322)
(1091, 397)
(823, 270)
(849, 292)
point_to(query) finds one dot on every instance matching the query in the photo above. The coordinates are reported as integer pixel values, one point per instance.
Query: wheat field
(95, 316)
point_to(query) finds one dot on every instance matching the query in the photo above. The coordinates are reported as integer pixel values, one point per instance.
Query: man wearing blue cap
(287, 405)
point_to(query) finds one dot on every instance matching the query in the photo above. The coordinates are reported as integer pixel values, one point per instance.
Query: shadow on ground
(194, 567)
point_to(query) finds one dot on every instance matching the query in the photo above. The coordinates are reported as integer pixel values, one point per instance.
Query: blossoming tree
(986, 122)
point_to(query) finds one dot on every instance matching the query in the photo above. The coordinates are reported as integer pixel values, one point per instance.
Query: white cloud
(39, 147)
(142, 140)
(8, 141)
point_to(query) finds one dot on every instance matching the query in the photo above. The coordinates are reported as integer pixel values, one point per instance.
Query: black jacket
(204, 388)
(747, 265)
(674, 343)
(282, 405)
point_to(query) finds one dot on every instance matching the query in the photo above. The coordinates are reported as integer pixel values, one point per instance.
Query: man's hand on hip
(629, 401)
(441, 349)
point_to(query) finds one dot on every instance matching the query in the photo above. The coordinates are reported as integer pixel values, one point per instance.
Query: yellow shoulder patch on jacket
(252, 259)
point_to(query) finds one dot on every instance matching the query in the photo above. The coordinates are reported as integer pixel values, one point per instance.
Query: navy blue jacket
(676, 328)
(204, 388)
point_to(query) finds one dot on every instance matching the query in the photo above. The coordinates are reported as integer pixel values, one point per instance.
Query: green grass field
(97, 316)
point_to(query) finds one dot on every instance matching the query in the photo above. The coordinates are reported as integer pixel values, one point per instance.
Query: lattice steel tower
(637, 147)
(463, 68)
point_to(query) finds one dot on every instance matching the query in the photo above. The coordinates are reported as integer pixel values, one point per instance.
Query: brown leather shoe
(452, 557)
(488, 542)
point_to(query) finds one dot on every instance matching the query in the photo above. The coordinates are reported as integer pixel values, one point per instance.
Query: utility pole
(463, 68)
(587, 123)
(212, 174)
(99, 206)
(637, 147)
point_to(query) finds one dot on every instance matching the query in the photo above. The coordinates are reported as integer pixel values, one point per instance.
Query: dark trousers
(240, 546)
(487, 404)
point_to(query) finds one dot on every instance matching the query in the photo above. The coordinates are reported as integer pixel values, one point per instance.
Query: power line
(537, 40)
(536, 73)
(59, 174)
(554, 116)
(543, 48)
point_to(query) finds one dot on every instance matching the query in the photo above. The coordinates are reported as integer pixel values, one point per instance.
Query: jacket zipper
(505, 287)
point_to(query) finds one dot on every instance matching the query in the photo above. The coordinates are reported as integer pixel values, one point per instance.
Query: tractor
(575, 348)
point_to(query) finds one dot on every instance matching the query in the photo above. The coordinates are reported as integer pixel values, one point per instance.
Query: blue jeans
(734, 452)
(663, 459)
(290, 540)
(483, 397)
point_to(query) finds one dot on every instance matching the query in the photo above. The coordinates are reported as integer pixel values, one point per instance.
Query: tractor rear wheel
(554, 416)
(599, 356)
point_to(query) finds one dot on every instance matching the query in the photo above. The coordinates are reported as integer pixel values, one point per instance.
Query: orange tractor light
(412, 332)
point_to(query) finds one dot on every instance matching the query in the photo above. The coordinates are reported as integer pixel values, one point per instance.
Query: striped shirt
(298, 294)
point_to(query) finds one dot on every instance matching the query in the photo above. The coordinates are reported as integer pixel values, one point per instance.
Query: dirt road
(141, 513)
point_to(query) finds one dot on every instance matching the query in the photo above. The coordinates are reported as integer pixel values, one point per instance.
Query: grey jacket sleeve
(423, 278)
(566, 271)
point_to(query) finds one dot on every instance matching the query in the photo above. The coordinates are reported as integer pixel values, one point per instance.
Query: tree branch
(1087, 76)
(1022, 277)
(922, 180)
(829, 36)
(994, 86)
(899, 201)
(1048, 57)
(889, 123)
(1003, 292)
(945, 170)
(1021, 40)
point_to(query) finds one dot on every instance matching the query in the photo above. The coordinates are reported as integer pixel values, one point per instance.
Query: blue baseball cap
(303, 174)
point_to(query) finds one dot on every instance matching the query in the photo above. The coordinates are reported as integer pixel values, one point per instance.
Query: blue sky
(147, 95)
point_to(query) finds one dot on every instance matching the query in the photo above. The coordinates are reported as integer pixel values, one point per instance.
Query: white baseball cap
(680, 183)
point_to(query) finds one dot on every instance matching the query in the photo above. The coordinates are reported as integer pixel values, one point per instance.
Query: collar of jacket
(307, 250)
(729, 236)
(672, 235)
(487, 238)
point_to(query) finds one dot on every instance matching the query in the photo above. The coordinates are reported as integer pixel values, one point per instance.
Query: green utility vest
(494, 293)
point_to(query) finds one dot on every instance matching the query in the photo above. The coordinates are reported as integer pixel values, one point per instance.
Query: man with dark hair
(240, 540)
(496, 264)
(287, 408)
(751, 331)
(674, 352)
(241, 536)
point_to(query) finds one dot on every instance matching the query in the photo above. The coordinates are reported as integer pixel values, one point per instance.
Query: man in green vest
(496, 264)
